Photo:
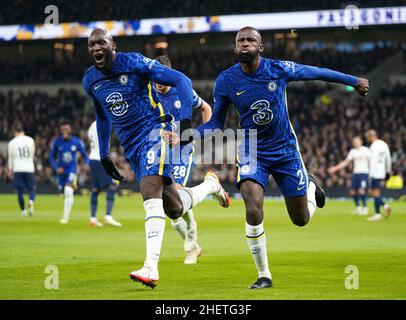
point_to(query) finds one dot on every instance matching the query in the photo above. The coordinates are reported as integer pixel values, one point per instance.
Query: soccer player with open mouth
(124, 98)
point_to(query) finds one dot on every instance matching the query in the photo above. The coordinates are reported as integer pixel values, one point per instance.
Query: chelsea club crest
(272, 86)
(123, 79)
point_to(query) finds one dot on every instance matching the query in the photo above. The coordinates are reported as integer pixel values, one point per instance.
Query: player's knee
(110, 195)
(254, 214)
(174, 210)
(301, 220)
(93, 197)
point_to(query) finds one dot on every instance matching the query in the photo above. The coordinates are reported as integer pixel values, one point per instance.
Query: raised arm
(155, 71)
(297, 72)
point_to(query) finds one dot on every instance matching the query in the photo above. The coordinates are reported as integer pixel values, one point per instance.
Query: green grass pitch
(306, 263)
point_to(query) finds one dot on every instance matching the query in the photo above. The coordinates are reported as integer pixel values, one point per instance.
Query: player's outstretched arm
(339, 166)
(306, 72)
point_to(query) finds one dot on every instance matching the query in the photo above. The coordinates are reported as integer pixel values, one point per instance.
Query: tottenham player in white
(380, 170)
(360, 156)
(100, 181)
(21, 168)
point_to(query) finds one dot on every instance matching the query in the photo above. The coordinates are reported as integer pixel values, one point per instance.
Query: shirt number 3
(263, 114)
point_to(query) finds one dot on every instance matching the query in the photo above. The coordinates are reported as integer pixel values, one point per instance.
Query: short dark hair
(164, 59)
(64, 122)
(18, 127)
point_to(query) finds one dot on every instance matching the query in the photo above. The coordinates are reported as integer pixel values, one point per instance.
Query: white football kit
(361, 158)
(21, 151)
(381, 161)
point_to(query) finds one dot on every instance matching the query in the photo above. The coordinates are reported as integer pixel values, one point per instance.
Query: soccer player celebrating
(380, 169)
(123, 96)
(99, 181)
(63, 160)
(21, 168)
(360, 156)
(256, 86)
(186, 225)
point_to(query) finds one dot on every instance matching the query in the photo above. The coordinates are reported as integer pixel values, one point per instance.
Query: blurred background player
(360, 156)
(99, 181)
(63, 159)
(186, 225)
(380, 170)
(256, 86)
(21, 150)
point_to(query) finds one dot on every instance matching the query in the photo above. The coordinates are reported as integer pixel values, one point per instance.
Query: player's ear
(261, 47)
(235, 50)
(114, 45)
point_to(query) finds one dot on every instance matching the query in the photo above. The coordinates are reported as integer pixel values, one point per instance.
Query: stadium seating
(92, 10)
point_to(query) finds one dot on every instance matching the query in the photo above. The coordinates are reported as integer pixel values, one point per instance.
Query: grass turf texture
(306, 263)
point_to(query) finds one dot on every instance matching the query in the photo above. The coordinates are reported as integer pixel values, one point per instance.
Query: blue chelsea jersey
(126, 98)
(260, 98)
(63, 153)
(171, 103)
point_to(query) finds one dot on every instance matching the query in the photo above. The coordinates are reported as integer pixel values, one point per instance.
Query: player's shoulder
(75, 139)
(229, 72)
(12, 141)
(55, 141)
(133, 60)
(278, 67)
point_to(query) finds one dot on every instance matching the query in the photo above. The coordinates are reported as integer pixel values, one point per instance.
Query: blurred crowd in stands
(202, 62)
(96, 10)
(324, 131)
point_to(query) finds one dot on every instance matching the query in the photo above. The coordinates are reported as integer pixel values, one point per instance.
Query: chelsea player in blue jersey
(63, 160)
(256, 86)
(123, 96)
(182, 162)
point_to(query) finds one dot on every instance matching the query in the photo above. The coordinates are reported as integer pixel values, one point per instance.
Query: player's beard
(247, 57)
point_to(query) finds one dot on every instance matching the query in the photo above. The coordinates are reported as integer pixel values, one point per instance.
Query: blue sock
(377, 203)
(93, 203)
(32, 195)
(110, 201)
(364, 200)
(20, 196)
(356, 200)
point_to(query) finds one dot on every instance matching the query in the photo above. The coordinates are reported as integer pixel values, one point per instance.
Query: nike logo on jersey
(149, 167)
(97, 87)
(300, 188)
(240, 92)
